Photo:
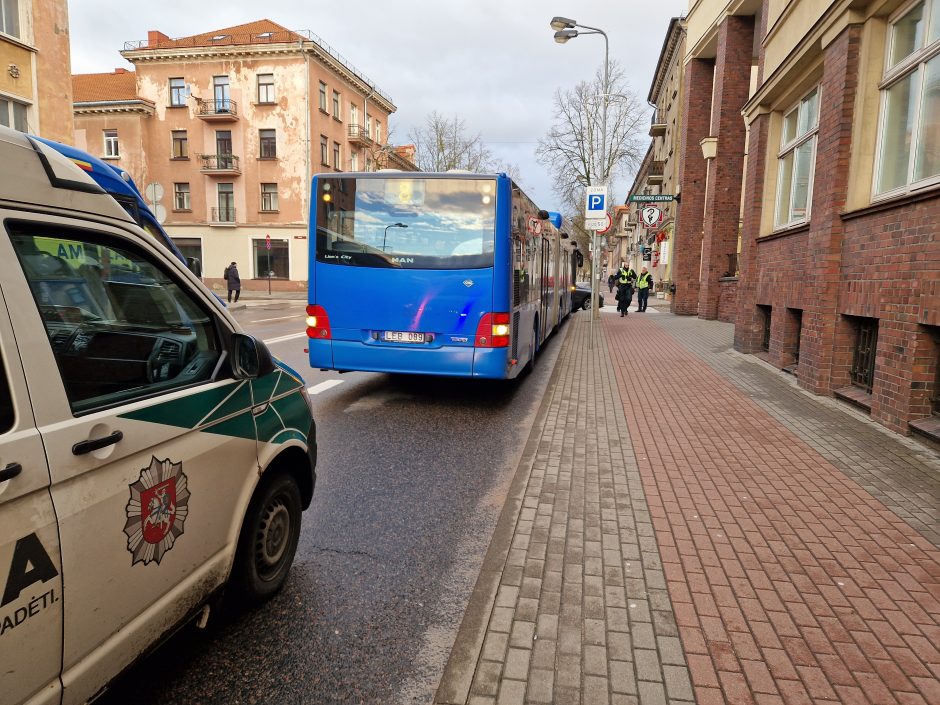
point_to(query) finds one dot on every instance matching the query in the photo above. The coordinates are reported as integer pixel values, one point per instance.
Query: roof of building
(666, 56)
(97, 87)
(257, 32)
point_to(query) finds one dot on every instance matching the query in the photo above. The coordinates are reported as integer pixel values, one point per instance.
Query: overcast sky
(491, 62)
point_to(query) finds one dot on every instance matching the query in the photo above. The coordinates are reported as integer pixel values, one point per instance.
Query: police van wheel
(586, 304)
(269, 539)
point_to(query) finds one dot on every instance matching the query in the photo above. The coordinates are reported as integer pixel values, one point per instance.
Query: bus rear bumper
(449, 361)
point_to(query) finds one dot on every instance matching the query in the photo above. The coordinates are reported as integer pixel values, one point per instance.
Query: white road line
(323, 386)
(281, 339)
(279, 318)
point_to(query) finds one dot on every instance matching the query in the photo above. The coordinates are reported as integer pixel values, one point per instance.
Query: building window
(909, 141)
(273, 263)
(220, 91)
(863, 360)
(10, 17)
(336, 105)
(767, 314)
(225, 213)
(354, 161)
(265, 87)
(268, 143)
(378, 132)
(269, 198)
(181, 197)
(191, 248)
(336, 155)
(13, 114)
(179, 93)
(324, 150)
(796, 161)
(322, 96)
(180, 144)
(111, 144)
(369, 126)
(353, 114)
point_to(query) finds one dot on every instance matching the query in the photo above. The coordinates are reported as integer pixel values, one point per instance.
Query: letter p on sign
(595, 202)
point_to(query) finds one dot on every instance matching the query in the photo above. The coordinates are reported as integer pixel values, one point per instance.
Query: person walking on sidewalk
(643, 285)
(625, 280)
(233, 280)
(611, 280)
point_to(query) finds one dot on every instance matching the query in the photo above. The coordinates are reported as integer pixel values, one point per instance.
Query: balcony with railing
(657, 124)
(654, 174)
(220, 164)
(223, 216)
(359, 135)
(225, 110)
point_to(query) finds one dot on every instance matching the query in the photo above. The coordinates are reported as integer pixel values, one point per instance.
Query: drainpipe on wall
(365, 110)
(307, 180)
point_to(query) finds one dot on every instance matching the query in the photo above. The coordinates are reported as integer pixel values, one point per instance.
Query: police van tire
(268, 540)
(586, 304)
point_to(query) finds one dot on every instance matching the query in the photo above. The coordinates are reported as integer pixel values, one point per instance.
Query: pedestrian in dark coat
(233, 280)
(611, 280)
(624, 296)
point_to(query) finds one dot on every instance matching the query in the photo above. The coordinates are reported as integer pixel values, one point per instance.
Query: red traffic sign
(267, 242)
(606, 227)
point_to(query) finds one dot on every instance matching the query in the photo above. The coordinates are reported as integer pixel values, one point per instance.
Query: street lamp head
(564, 35)
(562, 23)
(400, 225)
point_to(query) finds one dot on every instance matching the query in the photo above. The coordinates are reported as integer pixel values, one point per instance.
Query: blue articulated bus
(441, 274)
(119, 185)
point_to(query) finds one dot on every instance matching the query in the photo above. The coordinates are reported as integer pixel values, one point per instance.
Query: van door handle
(83, 447)
(10, 471)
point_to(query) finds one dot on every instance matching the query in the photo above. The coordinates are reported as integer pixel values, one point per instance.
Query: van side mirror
(580, 257)
(251, 358)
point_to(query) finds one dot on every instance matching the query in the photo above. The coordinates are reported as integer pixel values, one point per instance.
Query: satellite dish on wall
(154, 192)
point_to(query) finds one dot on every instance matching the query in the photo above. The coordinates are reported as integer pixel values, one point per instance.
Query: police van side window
(7, 417)
(120, 326)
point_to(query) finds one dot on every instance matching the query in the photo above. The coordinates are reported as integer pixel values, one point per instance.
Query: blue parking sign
(595, 201)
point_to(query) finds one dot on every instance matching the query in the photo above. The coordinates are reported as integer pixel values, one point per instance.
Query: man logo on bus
(156, 511)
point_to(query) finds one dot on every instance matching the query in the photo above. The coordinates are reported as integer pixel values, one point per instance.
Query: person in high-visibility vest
(643, 285)
(625, 280)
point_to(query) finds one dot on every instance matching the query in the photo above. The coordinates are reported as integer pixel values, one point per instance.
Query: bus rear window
(408, 223)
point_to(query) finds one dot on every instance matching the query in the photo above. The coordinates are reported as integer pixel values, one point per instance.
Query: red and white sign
(651, 216)
(603, 230)
(534, 225)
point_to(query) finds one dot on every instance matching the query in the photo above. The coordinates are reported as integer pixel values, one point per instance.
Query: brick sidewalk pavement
(790, 582)
(774, 532)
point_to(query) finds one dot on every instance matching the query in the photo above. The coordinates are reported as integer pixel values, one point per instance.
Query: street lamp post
(565, 30)
(385, 236)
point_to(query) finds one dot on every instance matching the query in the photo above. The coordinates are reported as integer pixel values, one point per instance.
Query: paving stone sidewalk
(687, 525)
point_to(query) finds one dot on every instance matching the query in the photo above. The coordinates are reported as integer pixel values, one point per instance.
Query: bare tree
(572, 148)
(443, 144)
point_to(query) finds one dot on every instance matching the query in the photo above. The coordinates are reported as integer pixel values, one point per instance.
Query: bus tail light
(493, 331)
(318, 323)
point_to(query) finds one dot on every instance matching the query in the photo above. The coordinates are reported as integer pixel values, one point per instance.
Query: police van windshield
(409, 223)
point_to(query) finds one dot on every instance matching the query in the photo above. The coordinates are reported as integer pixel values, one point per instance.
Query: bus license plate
(402, 336)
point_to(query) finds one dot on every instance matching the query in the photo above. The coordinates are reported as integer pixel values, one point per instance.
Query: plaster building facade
(223, 130)
(35, 92)
(812, 137)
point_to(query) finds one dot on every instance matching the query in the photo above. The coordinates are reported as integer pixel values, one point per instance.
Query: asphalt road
(412, 475)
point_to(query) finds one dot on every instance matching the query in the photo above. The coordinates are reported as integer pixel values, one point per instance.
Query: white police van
(150, 452)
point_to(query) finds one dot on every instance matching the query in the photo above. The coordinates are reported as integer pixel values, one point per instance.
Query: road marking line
(323, 386)
(279, 318)
(281, 339)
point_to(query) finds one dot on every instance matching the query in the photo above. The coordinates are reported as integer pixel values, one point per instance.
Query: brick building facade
(811, 156)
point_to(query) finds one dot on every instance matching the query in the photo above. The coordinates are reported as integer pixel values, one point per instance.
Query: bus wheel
(268, 540)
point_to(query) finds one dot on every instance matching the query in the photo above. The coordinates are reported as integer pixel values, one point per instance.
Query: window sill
(176, 107)
(324, 111)
(179, 159)
(892, 202)
(182, 210)
(267, 159)
(266, 103)
(928, 427)
(337, 119)
(19, 42)
(112, 159)
(263, 211)
(854, 395)
(785, 232)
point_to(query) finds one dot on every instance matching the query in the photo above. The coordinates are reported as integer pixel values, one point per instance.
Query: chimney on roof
(120, 70)
(155, 38)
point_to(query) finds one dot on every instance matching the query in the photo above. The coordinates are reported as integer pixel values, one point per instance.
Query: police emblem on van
(156, 511)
